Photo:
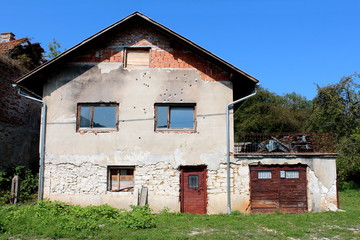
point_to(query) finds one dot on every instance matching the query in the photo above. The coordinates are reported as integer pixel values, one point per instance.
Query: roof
(7, 46)
(36, 76)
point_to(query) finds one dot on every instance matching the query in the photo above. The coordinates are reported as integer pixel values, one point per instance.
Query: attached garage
(280, 188)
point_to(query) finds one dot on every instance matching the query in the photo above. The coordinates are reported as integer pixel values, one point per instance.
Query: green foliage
(2, 227)
(54, 220)
(337, 110)
(268, 112)
(47, 219)
(28, 183)
(165, 210)
(347, 185)
(53, 49)
(348, 162)
(139, 218)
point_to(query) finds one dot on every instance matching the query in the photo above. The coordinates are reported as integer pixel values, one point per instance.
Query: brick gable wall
(163, 54)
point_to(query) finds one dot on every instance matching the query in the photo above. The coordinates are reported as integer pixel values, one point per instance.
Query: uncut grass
(340, 225)
(279, 226)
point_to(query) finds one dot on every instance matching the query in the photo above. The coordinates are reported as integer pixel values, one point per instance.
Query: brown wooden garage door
(278, 188)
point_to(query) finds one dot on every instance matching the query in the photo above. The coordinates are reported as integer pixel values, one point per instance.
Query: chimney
(7, 37)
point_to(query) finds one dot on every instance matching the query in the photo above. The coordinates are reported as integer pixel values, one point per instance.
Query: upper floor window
(137, 57)
(97, 116)
(175, 116)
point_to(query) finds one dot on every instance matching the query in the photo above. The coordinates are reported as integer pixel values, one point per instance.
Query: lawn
(60, 221)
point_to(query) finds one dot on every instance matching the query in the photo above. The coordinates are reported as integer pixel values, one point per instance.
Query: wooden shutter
(137, 58)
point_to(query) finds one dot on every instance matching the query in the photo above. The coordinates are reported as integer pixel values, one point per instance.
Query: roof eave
(136, 14)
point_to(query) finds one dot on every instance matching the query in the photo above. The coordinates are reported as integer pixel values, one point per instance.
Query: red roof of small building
(7, 46)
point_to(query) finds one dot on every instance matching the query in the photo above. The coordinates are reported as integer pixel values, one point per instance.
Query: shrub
(139, 218)
(343, 186)
(2, 227)
(28, 184)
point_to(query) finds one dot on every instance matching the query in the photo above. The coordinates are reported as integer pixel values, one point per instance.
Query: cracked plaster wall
(76, 162)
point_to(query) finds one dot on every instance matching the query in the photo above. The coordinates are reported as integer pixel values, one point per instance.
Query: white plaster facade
(76, 162)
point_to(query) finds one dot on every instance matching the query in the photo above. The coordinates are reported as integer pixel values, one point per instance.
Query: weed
(165, 210)
(2, 227)
(139, 218)
(56, 220)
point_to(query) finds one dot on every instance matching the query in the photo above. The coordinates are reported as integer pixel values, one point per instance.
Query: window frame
(92, 106)
(264, 177)
(119, 168)
(190, 182)
(129, 49)
(168, 120)
(292, 174)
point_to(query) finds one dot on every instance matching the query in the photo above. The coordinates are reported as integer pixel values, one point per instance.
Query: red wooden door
(193, 189)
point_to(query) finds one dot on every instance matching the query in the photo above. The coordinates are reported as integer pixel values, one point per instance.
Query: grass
(60, 221)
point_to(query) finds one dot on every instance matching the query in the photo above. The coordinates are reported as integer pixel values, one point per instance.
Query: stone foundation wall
(83, 180)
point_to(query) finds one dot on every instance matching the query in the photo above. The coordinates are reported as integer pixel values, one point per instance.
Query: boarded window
(264, 175)
(292, 174)
(97, 116)
(137, 57)
(121, 179)
(175, 116)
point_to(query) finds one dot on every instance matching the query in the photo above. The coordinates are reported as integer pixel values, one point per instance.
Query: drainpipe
(228, 107)
(42, 140)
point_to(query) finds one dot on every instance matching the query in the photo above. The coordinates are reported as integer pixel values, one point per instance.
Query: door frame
(200, 168)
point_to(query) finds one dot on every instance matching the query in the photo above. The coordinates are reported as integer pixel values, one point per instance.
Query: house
(19, 117)
(137, 113)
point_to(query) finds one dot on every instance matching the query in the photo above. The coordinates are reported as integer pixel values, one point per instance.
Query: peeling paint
(108, 67)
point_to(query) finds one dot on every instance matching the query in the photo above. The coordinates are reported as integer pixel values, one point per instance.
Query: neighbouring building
(136, 113)
(19, 117)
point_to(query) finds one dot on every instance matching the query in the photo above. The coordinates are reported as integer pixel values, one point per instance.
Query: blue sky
(289, 45)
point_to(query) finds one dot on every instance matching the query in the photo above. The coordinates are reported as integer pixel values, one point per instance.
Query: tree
(348, 162)
(337, 110)
(54, 49)
(268, 112)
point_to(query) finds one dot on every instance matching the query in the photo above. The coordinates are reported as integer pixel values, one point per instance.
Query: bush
(55, 220)
(75, 217)
(139, 218)
(28, 184)
(343, 186)
(2, 227)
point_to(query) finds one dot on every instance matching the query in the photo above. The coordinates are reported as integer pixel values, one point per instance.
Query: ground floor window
(120, 179)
